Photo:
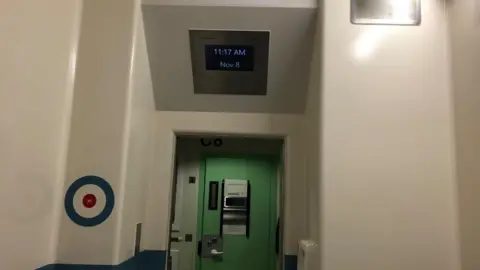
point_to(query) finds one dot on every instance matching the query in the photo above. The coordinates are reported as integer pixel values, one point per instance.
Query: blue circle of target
(102, 216)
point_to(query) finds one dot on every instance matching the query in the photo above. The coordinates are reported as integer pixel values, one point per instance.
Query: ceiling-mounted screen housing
(393, 12)
(229, 62)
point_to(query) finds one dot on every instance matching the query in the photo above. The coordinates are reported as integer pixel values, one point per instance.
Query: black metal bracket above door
(221, 208)
(249, 195)
(199, 248)
(213, 195)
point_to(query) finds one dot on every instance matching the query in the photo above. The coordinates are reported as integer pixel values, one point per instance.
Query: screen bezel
(229, 83)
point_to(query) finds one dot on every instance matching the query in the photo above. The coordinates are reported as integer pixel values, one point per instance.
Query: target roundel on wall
(89, 201)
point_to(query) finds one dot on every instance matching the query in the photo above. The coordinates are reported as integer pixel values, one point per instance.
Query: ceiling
(291, 37)
(236, 3)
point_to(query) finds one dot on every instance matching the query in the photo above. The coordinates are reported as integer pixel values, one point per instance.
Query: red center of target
(89, 200)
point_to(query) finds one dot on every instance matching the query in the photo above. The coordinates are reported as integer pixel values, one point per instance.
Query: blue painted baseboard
(47, 267)
(290, 262)
(145, 260)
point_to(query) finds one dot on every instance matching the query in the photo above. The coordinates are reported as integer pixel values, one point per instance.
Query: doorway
(227, 204)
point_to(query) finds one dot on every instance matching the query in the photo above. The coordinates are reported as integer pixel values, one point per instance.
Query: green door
(258, 250)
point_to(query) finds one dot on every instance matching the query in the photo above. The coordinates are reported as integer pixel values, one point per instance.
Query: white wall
(140, 116)
(185, 221)
(157, 224)
(38, 54)
(100, 124)
(312, 130)
(388, 184)
(465, 40)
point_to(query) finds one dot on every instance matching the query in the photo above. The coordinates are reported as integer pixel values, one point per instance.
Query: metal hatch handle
(216, 252)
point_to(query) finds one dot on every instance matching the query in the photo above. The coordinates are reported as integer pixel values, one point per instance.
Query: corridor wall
(111, 132)
(388, 196)
(140, 130)
(37, 68)
(312, 134)
(464, 19)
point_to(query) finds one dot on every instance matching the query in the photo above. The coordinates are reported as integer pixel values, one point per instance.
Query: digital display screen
(228, 57)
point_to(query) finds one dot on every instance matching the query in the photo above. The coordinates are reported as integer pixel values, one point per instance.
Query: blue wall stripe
(290, 262)
(76, 267)
(47, 267)
(145, 260)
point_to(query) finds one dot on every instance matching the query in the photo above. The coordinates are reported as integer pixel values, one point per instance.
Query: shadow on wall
(145, 260)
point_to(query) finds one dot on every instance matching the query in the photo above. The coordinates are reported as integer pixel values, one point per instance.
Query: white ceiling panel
(291, 37)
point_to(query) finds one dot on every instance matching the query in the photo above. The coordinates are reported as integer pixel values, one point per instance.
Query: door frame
(168, 258)
(280, 196)
(168, 125)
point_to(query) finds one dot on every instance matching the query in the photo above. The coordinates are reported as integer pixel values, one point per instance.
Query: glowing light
(401, 9)
(368, 42)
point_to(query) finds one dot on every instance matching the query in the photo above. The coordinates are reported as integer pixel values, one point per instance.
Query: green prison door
(252, 248)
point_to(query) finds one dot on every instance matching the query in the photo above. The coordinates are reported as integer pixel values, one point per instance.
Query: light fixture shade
(392, 12)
